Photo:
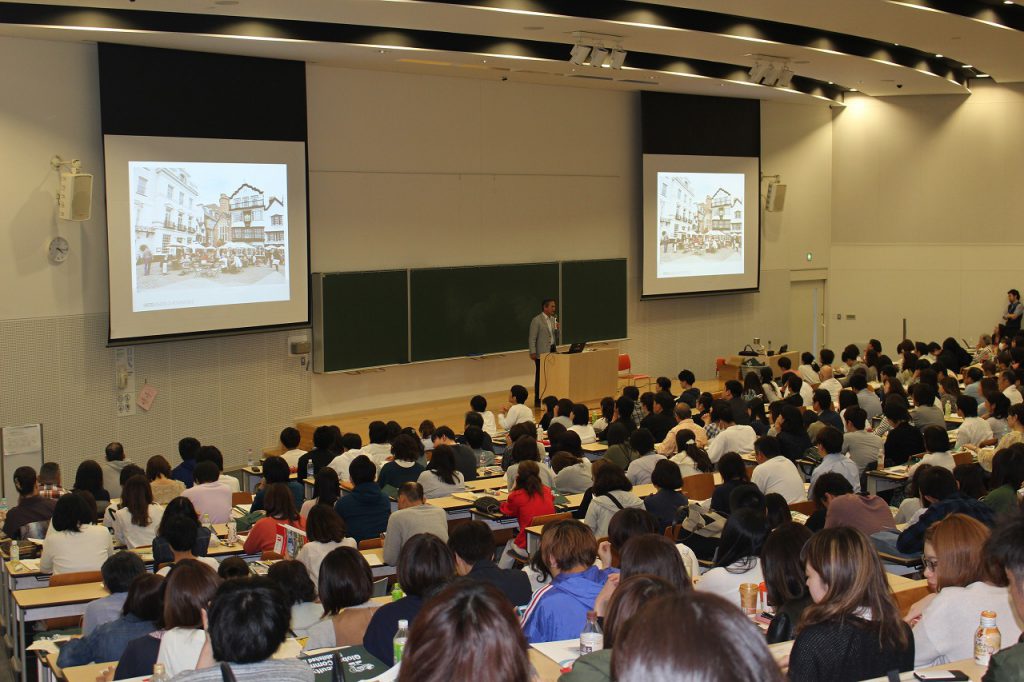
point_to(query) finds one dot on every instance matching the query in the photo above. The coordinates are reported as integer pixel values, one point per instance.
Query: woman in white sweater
(441, 478)
(325, 532)
(525, 448)
(136, 522)
(964, 583)
(74, 543)
(188, 590)
(737, 559)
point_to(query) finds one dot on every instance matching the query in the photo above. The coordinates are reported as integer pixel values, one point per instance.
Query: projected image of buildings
(700, 224)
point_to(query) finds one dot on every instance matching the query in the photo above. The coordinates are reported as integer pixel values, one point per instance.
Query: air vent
(639, 82)
(594, 78)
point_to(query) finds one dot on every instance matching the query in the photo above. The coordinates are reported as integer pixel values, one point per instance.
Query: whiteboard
(21, 446)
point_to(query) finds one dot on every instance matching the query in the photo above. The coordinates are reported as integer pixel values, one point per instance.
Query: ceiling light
(771, 76)
(598, 56)
(758, 71)
(938, 56)
(785, 77)
(982, 75)
(618, 58)
(854, 90)
(966, 66)
(830, 83)
(579, 55)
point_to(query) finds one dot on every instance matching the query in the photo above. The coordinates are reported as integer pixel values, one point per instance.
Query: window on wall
(140, 186)
(257, 214)
(170, 191)
(277, 220)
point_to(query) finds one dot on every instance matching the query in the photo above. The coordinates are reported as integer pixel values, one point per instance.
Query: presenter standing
(1009, 325)
(543, 339)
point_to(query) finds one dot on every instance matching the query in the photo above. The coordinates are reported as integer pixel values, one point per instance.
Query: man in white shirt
(796, 385)
(351, 447)
(860, 446)
(732, 437)
(543, 339)
(516, 411)
(830, 445)
(806, 369)
(640, 469)
(775, 473)
(378, 449)
(290, 438)
(830, 384)
(1008, 385)
(668, 447)
(478, 404)
(936, 445)
(974, 430)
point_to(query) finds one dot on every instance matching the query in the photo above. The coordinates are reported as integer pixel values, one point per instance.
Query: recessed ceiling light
(966, 66)
(830, 83)
(854, 90)
(938, 56)
(1007, 2)
(983, 75)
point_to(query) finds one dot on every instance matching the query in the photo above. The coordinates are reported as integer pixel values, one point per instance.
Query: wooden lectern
(581, 377)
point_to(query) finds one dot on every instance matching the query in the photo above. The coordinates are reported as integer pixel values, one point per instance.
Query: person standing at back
(112, 465)
(544, 335)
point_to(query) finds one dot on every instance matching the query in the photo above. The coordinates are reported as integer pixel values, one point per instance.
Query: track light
(771, 71)
(757, 72)
(579, 55)
(618, 58)
(598, 56)
(785, 78)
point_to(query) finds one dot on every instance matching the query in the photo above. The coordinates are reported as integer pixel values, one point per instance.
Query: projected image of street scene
(206, 234)
(700, 224)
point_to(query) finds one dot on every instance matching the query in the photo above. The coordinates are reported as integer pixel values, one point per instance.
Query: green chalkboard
(457, 312)
(360, 319)
(593, 305)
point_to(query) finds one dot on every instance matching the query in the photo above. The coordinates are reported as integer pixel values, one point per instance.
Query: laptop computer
(577, 347)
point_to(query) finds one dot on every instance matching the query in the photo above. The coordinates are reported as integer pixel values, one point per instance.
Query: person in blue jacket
(366, 509)
(559, 610)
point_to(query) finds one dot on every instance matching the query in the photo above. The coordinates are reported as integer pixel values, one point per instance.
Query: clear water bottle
(249, 462)
(206, 522)
(15, 551)
(401, 637)
(159, 673)
(591, 639)
(309, 468)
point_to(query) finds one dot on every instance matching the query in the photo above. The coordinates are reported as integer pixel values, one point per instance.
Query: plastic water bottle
(207, 523)
(15, 551)
(397, 593)
(401, 637)
(159, 673)
(591, 639)
(249, 463)
(309, 468)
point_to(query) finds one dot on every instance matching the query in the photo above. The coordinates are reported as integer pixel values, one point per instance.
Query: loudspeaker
(75, 197)
(775, 197)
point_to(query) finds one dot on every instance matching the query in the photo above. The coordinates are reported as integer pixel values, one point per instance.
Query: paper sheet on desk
(564, 652)
(373, 560)
(48, 645)
(26, 566)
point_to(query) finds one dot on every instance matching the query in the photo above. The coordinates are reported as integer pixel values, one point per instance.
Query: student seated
(365, 510)
(290, 439)
(619, 451)
(181, 532)
(902, 441)
(442, 477)
(573, 474)
(248, 622)
(860, 446)
(326, 491)
(351, 445)
(853, 630)
(210, 453)
(867, 513)
(280, 507)
(830, 443)
(325, 532)
(940, 497)
(936, 447)
(300, 593)
(1007, 478)
(648, 650)
(189, 589)
(926, 412)
(652, 554)
(516, 410)
(275, 470)
(964, 582)
(491, 644)
(89, 478)
(472, 545)
(464, 457)
(776, 473)
(49, 481)
(478, 404)
(611, 492)
(74, 542)
(524, 449)
(179, 506)
(31, 507)
(414, 516)
(474, 440)
(118, 572)
(734, 474)
(581, 424)
(345, 588)
(188, 450)
(1006, 549)
(974, 430)
(165, 488)
(138, 617)
(665, 503)
(732, 437)
(639, 471)
(325, 442)
(424, 567)
(660, 421)
(137, 521)
(793, 438)
(559, 610)
(785, 580)
(233, 567)
(690, 456)
(736, 561)
(114, 462)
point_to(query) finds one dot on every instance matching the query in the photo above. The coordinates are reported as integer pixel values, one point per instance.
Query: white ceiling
(990, 48)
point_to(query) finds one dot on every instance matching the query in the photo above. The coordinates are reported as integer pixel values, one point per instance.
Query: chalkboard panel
(361, 319)
(593, 305)
(475, 310)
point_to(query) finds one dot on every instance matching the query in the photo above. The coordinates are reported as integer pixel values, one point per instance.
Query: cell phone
(944, 675)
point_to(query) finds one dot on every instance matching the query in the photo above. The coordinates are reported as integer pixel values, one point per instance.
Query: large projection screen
(701, 226)
(205, 235)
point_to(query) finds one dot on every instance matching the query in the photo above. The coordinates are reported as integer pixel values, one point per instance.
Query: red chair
(626, 365)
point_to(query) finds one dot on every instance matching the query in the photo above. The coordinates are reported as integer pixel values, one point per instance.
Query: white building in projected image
(276, 233)
(168, 213)
(677, 212)
(248, 215)
(726, 213)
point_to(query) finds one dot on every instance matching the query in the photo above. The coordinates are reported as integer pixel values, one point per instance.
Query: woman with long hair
(326, 491)
(74, 542)
(736, 561)
(793, 438)
(325, 532)
(612, 492)
(853, 631)
(89, 478)
(525, 449)
(784, 578)
(345, 589)
(530, 498)
(165, 488)
(619, 452)
(964, 582)
(441, 476)
(691, 458)
(136, 522)
(179, 506)
(280, 508)
(607, 415)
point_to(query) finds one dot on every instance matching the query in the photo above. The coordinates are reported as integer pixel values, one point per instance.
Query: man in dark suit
(543, 339)
(473, 546)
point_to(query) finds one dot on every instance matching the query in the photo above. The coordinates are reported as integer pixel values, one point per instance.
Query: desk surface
(65, 594)
(86, 673)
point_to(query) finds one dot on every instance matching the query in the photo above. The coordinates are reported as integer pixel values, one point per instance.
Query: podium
(581, 377)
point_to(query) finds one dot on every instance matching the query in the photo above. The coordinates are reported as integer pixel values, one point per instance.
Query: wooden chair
(241, 498)
(808, 507)
(70, 579)
(371, 543)
(270, 555)
(626, 365)
(545, 519)
(907, 598)
(965, 457)
(699, 486)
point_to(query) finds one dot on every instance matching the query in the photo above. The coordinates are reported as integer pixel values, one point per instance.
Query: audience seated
(89, 479)
(188, 450)
(118, 572)
(190, 588)
(902, 440)
(860, 445)
(530, 498)
(665, 503)
(639, 470)
(558, 610)
(464, 457)
(179, 506)
(619, 451)
(651, 554)
(404, 466)
(611, 492)
(936, 447)
(181, 532)
(31, 507)
(322, 454)
(776, 473)
(940, 497)
(1006, 549)
(293, 580)
(1007, 478)
(830, 443)
(737, 561)
(581, 424)
(974, 430)
(74, 542)
(290, 439)
(345, 587)
(573, 474)
(280, 507)
(793, 438)
(49, 481)
(325, 532)
(275, 470)
(165, 488)
(732, 436)
(114, 461)
(365, 509)
(326, 491)
(926, 412)
(414, 516)
(472, 545)
(442, 477)
(733, 470)
(683, 417)
(785, 580)
(869, 514)
(210, 453)
(690, 457)
(660, 421)
(477, 440)
(516, 411)
(136, 522)
(424, 567)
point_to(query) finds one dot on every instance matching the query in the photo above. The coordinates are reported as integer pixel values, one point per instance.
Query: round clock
(59, 250)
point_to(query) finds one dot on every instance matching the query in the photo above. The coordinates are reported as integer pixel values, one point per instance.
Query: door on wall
(807, 315)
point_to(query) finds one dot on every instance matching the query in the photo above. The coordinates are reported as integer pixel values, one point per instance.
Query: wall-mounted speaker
(75, 197)
(775, 197)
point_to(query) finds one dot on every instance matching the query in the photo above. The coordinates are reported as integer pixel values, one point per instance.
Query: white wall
(926, 210)
(409, 171)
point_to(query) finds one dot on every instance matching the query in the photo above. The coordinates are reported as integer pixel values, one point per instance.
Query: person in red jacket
(530, 498)
(280, 507)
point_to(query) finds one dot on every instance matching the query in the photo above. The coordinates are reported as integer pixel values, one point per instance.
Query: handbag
(748, 351)
(696, 521)
(487, 505)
